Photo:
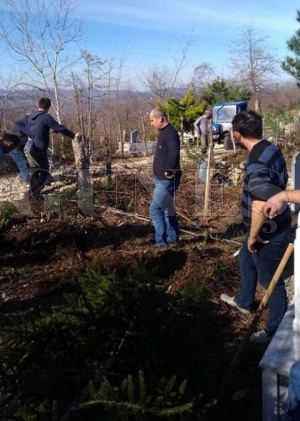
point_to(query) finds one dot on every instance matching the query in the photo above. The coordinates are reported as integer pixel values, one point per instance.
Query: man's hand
(252, 240)
(78, 134)
(169, 174)
(271, 210)
(275, 204)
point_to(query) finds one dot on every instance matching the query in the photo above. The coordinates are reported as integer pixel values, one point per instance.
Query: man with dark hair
(266, 240)
(36, 126)
(8, 142)
(166, 174)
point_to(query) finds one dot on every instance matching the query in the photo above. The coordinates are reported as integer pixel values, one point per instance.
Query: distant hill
(30, 95)
(27, 98)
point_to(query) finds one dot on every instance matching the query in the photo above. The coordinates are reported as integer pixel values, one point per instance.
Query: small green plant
(118, 319)
(274, 123)
(152, 135)
(107, 183)
(6, 217)
(75, 224)
(130, 206)
(44, 411)
(68, 195)
(132, 399)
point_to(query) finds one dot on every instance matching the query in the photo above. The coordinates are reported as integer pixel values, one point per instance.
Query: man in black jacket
(166, 174)
(36, 126)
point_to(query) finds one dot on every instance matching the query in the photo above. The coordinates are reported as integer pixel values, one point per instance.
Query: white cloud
(176, 16)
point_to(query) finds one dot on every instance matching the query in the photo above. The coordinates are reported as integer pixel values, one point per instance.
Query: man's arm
(173, 153)
(257, 220)
(59, 128)
(276, 203)
(22, 125)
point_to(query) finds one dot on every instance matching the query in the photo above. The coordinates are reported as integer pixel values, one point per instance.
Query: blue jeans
(261, 267)
(162, 212)
(21, 162)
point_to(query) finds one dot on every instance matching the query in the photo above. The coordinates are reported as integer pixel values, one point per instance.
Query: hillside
(88, 296)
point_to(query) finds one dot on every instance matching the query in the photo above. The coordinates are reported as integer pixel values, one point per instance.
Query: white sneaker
(260, 338)
(230, 301)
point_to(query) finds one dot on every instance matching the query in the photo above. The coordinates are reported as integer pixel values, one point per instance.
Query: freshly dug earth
(41, 253)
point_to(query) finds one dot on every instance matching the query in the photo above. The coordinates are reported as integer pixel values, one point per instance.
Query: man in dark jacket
(166, 174)
(266, 240)
(36, 126)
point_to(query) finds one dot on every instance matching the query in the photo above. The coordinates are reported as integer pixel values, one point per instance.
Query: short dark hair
(9, 141)
(44, 103)
(248, 124)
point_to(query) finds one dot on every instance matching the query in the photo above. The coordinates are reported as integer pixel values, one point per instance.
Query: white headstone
(295, 178)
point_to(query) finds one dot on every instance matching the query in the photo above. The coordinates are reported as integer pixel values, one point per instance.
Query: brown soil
(41, 254)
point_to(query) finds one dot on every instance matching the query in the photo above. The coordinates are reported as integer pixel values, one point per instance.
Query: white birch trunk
(85, 188)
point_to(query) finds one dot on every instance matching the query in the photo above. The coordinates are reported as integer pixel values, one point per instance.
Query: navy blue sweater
(36, 126)
(167, 153)
(265, 175)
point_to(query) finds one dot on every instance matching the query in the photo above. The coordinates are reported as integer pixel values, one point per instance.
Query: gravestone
(133, 141)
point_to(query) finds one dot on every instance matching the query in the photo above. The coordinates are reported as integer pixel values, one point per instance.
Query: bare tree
(95, 80)
(254, 63)
(162, 80)
(284, 95)
(112, 82)
(39, 35)
(4, 100)
(79, 89)
(202, 75)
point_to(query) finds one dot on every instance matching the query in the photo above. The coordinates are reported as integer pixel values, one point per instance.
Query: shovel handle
(256, 317)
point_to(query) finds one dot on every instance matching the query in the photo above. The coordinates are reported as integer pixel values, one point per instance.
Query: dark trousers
(260, 267)
(39, 170)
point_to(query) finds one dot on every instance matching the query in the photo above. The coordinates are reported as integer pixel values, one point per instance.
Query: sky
(150, 33)
(147, 34)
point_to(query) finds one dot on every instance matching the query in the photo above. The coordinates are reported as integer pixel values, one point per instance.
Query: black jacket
(167, 153)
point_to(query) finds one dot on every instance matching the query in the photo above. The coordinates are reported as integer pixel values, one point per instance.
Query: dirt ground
(42, 249)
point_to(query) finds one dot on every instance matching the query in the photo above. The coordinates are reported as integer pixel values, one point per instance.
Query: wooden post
(122, 143)
(208, 172)
(85, 189)
(207, 186)
(144, 135)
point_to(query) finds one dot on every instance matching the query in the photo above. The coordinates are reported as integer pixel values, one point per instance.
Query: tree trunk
(85, 188)
(144, 136)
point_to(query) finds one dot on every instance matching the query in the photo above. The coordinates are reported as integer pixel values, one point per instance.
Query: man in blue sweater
(166, 174)
(36, 126)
